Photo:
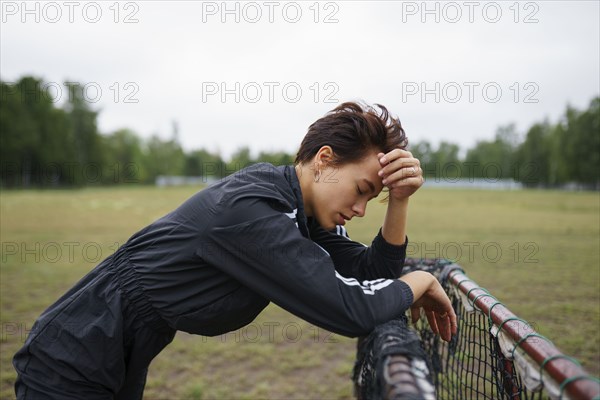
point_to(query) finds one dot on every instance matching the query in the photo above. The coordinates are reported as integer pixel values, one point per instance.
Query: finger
(453, 322)
(395, 154)
(406, 159)
(416, 181)
(443, 322)
(405, 166)
(408, 171)
(432, 322)
(415, 313)
(397, 164)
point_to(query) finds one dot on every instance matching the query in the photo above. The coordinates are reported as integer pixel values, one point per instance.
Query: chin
(327, 225)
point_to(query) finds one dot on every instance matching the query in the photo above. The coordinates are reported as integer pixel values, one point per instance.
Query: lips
(343, 219)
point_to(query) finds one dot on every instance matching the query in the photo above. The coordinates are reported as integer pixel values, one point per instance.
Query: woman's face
(342, 192)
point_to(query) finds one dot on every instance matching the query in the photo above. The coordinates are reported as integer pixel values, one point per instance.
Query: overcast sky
(258, 74)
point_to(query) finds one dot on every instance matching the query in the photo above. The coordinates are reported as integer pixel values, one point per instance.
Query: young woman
(212, 265)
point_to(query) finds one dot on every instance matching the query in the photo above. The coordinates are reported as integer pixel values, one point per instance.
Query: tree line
(44, 145)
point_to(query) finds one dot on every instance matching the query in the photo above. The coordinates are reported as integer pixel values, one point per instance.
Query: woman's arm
(394, 223)
(356, 260)
(402, 174)
(262, 249)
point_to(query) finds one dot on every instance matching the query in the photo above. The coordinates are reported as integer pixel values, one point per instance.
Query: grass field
(537, 251)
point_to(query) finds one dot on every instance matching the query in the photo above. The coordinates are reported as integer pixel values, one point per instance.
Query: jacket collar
(290, 175)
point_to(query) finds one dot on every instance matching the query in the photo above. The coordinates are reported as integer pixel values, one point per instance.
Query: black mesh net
(471, 366)
(392, 364)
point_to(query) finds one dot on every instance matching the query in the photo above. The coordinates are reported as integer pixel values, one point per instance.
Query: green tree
(494, 159)
(582, 144)
(83, 133)
(533, 156)
(203, 163)
(568, 151)
(163, 157)
(276, 158)
(423, 152)
(446, 161)
(18, 135)
(123, 158)
(241, 158)
(34, 135)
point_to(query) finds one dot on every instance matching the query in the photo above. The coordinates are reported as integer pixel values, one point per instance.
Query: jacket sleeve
(263, 249)
(355, 260)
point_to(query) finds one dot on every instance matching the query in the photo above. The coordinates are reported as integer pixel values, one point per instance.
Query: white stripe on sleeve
(368, 287)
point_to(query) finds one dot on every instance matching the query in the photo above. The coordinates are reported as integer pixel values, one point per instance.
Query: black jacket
(208, 267)
(214, 263)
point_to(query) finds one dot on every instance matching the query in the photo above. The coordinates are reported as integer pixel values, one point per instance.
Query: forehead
(369, 163)
(367, 168)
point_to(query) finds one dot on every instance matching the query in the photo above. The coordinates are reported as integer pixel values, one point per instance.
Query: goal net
(494, 355)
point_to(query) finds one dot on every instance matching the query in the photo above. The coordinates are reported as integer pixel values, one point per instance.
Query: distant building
(164, 180)
(473, 183)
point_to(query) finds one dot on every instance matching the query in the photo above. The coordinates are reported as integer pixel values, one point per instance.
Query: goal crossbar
(494, 355)
(555, 368)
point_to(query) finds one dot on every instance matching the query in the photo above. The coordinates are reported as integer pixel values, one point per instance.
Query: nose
(360, 208)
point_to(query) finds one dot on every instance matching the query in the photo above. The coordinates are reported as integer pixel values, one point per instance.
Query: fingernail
(384, 181)
(380, 173)
(383, 160)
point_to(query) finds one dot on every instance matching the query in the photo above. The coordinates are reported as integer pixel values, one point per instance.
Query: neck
(305, 179)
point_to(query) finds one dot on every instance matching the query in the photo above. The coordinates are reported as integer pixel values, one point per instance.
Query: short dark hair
(352, 130)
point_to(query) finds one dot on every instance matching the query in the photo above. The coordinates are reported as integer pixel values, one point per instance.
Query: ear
(324, 156)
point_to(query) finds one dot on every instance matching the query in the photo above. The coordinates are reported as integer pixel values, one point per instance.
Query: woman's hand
(430, 296)
(401, 173)
(439, 312)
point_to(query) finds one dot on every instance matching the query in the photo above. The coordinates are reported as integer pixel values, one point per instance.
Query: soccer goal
(495, 354)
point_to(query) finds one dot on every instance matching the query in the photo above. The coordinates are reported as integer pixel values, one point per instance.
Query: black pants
(95, 342)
